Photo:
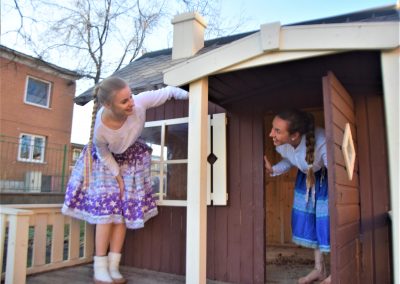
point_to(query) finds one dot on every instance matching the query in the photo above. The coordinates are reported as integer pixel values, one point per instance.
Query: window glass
(176, 141)
(38, 92)
(169, 141)
(75, 154)
(176, 179)
(38, 149)
(152, 137)
(25, 146)
(156, 179)
(31, 148)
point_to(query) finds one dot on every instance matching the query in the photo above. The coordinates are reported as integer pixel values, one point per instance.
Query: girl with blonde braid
(302, 145)
(110, 184)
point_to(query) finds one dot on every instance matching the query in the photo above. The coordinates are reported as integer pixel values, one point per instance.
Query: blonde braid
(88, 154)
(94, 112)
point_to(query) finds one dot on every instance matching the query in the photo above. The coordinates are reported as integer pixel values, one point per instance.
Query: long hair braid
(310, 148)
(88, 154)
(303, 122)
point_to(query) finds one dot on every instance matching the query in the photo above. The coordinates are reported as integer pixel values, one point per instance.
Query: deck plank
(83, 274)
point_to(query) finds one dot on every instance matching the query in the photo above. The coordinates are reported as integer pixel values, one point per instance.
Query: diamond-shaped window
(212, 159)
(348, 150)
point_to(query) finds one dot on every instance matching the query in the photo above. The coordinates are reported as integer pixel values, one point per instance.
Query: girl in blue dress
(303, 146)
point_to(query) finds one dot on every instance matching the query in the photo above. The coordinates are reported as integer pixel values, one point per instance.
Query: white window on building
(31, 148)
(75, 154)
(169, 163)
(37, 92)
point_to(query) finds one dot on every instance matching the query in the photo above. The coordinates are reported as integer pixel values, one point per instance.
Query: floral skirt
(101, 202)
(310, 216)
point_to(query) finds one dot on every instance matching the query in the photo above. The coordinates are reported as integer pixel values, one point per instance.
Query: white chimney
(188, 34)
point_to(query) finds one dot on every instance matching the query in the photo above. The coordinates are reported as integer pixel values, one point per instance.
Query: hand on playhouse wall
(178, 93)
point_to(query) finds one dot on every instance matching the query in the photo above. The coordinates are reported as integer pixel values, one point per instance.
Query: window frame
(47, 106)
(162, 163)
(217, 194)
(76, 152)
(31, 147)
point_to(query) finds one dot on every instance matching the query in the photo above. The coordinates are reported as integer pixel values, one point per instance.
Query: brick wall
(18, 117)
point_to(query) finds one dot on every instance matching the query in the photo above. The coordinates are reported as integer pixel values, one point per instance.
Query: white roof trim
(348, 36)
(325, 37)
(275, 57)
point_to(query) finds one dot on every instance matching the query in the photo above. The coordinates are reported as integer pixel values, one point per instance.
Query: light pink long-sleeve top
(117, 141)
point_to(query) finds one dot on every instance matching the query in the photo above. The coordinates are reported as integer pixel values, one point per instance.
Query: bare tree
(98, 37)
(216, 25)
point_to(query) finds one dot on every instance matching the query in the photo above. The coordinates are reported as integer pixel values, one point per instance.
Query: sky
(255, 13)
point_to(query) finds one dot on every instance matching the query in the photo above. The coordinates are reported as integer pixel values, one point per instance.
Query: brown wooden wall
(344, 204)
(235, 236)
(236, 245)
(374, 189)
(360, 229)
(161, 244)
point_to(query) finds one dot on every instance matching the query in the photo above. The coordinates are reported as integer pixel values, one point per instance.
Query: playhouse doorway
(285, 261)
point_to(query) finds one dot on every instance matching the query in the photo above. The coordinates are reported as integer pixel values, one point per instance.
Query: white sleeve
(280, 168)
(156, 98)
(105, 156)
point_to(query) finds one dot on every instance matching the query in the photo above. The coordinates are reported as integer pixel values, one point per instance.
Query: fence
(33, 165)
(38, 238)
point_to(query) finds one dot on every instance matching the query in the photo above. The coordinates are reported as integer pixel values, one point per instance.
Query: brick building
(35, 123)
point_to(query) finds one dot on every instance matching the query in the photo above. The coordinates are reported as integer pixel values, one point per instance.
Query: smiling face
(280, 132)
(122, 103)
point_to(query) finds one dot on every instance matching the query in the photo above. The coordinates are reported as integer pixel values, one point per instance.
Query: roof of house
(146, 73)
(38, 63)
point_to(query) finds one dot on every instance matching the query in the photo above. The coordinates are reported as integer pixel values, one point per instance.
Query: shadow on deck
(83, 274)
(284, 265)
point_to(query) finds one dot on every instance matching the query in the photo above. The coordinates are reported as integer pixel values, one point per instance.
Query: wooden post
(3, 221)
(196, 236)
(57, 240)
(39, 240)
(74, 234)
(390, 77)
(17, 248)
(89, 240)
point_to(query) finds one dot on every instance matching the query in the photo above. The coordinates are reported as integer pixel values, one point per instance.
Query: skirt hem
(308, 244)
(115, 219)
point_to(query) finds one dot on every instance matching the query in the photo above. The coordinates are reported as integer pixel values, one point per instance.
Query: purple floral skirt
(101, 202)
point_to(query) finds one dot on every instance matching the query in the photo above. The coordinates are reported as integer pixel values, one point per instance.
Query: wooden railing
(37, 238)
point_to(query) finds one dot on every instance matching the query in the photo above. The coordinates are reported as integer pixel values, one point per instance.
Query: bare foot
(327, 280)
(314, 275)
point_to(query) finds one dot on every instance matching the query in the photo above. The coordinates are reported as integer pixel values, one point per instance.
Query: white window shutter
(216, 188)
(208, 164)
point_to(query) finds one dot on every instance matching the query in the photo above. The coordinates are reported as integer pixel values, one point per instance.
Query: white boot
(113, 266)
(101, 275)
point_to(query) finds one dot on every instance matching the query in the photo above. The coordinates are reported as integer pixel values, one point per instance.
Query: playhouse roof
(147, 72)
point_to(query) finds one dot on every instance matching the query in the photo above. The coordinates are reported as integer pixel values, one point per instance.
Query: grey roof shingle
(146, 73)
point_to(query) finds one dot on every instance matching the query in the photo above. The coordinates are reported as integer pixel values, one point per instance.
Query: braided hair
(302, 122)
(103, 92)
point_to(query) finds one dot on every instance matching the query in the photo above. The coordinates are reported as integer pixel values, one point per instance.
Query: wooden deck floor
(283, 265)
(83, 275)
